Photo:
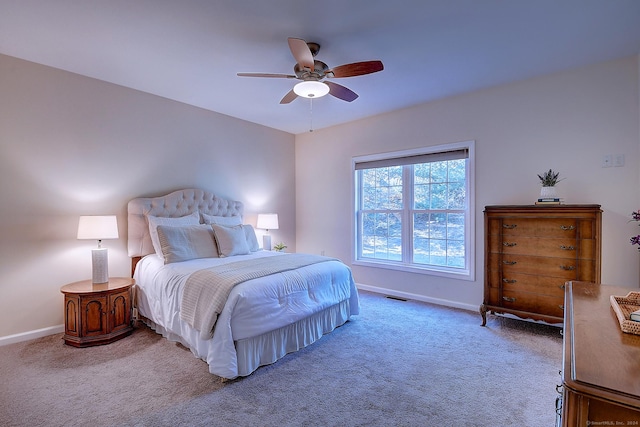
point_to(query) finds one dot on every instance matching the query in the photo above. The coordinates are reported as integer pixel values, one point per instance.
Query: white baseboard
(416, 297)
(31, 335)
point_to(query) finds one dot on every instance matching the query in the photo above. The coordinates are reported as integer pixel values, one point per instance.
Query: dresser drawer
(534, 303)
(545, 269)
(564, 268)
(552, 247)
(533, 283)
(548, 247)
(550, 227)
(546, 305)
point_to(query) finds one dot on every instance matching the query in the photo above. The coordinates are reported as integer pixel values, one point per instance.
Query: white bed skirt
(269, 347)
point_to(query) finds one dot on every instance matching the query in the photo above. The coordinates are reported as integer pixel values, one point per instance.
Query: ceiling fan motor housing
(318, 73)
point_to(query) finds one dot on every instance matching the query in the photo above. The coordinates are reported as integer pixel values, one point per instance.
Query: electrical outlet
(607, 160)
(618, 161)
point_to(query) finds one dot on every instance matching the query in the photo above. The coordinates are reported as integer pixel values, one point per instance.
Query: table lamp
(267, 222)
(98, 227)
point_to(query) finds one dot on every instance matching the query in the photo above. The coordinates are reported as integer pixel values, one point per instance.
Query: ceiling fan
(312, 73)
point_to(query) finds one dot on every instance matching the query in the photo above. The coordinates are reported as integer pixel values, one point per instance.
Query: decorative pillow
(185, 243)
(155, 221)
(252, 240)
(227, 221)
(231, 240)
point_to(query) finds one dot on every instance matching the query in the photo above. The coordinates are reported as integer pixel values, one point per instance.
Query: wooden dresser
(531, 251)
(601, 366)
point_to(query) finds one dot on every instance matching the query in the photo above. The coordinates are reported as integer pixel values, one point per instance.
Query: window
(414, 210)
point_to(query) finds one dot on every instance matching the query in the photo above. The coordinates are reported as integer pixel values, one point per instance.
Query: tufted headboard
(176, 204)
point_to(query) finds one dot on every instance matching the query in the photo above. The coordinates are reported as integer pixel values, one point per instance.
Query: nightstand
(96, 314)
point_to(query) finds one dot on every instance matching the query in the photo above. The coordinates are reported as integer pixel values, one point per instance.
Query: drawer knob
(562, 286)
(568, 228)
(561, 306)
(509, 299)
(567, 248)
(509, 226)
(510, 262)
(509, 280)
(568, 267)
(509, 244)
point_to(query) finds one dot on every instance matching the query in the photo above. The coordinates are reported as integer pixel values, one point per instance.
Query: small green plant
(549, 178)
(280, 247)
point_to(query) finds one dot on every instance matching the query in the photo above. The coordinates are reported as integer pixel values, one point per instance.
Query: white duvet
(254, 308)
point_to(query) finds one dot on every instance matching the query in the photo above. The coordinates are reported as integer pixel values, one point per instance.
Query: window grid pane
(382, 235)
(438, 213)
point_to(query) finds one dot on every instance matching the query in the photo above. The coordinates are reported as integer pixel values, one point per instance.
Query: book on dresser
(549, 201)
(531, 251)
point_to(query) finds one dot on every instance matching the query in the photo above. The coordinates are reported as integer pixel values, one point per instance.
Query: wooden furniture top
(599, 359)
(536, 208)
(86, 287)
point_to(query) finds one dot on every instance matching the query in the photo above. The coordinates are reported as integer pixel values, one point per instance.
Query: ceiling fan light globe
(311, 89)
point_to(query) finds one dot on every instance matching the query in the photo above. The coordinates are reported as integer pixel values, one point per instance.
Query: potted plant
(280, 247)
(549, 179)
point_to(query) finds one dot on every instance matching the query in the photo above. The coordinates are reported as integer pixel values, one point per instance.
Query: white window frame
(467, 273)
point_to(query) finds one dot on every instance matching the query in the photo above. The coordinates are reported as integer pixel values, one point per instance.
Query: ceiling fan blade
(280, 76)
(301, 53)
(290, 96)
(341, 92)
(355, 69)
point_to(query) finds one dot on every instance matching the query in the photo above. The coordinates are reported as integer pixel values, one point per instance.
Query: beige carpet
(396, 364)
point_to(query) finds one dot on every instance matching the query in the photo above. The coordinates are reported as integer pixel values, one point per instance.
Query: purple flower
(635, 240)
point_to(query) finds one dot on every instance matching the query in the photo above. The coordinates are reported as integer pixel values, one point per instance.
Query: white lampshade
(267, 221)
(311, 89)
(98, 227)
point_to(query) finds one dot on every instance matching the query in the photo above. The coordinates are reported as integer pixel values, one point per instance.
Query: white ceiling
(191, 50)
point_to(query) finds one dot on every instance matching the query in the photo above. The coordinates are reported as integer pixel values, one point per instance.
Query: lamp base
(266, 242)
(99, 265)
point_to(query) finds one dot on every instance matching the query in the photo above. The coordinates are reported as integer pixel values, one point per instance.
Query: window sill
(432, 271)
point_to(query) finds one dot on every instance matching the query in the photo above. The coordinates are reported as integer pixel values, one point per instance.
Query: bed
(270, 303)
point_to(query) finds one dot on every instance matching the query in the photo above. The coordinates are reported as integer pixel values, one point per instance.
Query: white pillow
(185, 243)
(155, 221)
(227, 221)
(231, 240)
(252, 240)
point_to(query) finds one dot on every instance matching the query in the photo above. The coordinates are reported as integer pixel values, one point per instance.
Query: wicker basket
(624, 306)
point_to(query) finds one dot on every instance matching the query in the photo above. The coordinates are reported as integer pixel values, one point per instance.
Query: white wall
(565, 121)
(71, 145)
